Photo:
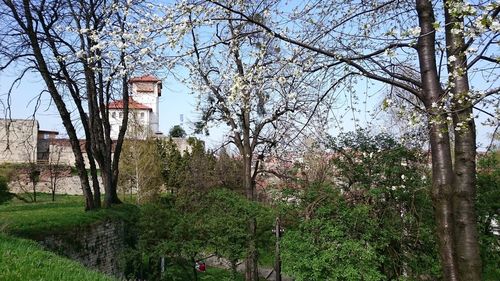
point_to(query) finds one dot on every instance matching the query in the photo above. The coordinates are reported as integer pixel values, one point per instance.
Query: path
(264, 272)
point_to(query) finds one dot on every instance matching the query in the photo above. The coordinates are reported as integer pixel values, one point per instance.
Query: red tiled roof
(132, 104)
(144, 78)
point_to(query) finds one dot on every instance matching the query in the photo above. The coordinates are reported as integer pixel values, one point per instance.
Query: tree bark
(43, 69)
(442, 173)
(465, 230)
(251, 271)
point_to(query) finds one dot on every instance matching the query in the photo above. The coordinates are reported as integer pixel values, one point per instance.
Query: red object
(202, 267)
(144, 78)
(132, 104)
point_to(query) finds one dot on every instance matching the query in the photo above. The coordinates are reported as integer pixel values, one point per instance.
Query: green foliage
(183, 227)
(198, 169)
(141, 169)
(375, 224)
(7, 170)
(337, 248)
(5, 195)
(177, 132)
(173, 164)
(488, 211)
(26, 260)
(227, 234)
(365, 161)
(229, 171)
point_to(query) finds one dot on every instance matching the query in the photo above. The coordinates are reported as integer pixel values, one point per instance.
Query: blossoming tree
(85, 51)
(450, 44)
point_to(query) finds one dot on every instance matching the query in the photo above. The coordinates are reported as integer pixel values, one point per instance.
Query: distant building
(143, 109)
(21, 141)
(44, 140)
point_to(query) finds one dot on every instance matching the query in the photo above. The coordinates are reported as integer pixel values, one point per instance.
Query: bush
(5, 195)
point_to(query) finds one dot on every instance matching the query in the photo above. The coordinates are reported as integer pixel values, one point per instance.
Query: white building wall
(138, 123)
(150, 98)
(151, 101)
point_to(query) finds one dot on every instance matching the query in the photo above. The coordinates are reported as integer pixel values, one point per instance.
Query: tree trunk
(442, 173)
(234, 270)
(110, 197)
(465, 229)
(93, 174)
(34, 192)
(56, 97)
(277, 254)
(251, 272)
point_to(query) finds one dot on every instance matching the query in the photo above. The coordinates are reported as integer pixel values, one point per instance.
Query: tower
(147, 91)
(143, 108)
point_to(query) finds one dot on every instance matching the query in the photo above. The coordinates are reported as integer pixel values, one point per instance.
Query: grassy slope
(25, 260)
(32, 220)
(22, 259)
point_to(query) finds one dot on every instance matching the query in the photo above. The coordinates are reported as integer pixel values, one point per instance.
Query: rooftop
(132, 104)
(144, 78)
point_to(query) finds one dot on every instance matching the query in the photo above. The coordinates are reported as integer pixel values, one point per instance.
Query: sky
(176, 101)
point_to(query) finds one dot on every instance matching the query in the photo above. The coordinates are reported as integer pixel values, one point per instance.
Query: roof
(144, 78)
(132, 104)
(48, 132)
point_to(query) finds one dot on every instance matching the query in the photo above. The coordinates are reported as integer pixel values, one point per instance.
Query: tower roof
(144, 78)
(146, 84)
(132, 104)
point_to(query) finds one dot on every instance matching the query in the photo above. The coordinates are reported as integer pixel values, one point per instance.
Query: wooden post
(277, 258)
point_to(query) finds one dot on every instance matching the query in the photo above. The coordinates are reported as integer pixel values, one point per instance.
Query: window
(142, 115)
(113, 114)
(121, 114)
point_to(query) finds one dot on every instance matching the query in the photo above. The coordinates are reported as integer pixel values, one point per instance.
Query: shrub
(5, 195)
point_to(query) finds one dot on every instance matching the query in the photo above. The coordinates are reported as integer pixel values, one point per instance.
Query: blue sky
(175, 101)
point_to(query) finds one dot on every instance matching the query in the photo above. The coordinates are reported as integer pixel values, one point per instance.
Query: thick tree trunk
(466, 235)
(110, 196)
(442, 179)
(442, 172)
(251, 271)
(56, 97)
(465, 229)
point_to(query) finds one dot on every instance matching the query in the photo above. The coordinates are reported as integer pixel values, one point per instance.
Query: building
(44, 140)
(143, 109)
(21, 141)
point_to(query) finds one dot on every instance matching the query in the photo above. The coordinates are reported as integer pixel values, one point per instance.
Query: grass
(22, 259)
(216, 274)
(34, 220)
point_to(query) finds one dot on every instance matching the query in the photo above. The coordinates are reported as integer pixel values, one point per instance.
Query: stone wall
(65, 185)
(98, 246)
(18, 141)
